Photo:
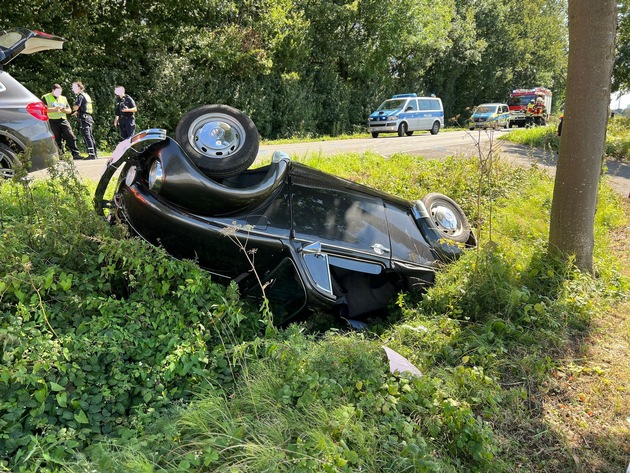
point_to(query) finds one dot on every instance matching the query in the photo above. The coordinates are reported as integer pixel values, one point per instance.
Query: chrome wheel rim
(216, 135)
(446, 220)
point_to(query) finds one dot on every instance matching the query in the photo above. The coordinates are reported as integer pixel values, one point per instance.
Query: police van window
(435, 105)
(424, 104)
(412, 105)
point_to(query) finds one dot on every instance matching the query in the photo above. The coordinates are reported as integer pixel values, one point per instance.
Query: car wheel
(472, 128)
(448, 217)
(409, 133)
(222, 141)
(374, 135)
(435, 128)
(510, 124)
(7, 162)
(402, 129)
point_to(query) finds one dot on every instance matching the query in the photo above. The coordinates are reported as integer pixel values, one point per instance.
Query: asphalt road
(467, 144)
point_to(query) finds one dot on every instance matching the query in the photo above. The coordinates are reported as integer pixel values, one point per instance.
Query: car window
(394, 104)
(412, 105)
(339, 218)
(486, 109)
(424, 104)
(10, 39)
(435, 105)
(521, 100)
(407, 243)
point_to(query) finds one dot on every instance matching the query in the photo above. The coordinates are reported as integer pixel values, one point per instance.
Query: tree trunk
(592, 26)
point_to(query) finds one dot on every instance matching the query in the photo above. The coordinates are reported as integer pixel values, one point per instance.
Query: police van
(406, 113)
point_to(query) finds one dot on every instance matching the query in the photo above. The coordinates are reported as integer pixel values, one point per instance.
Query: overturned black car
(304, 237)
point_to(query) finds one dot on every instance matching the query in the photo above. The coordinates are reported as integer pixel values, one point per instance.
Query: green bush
(117, 358)
(618, 139)
(97, 329)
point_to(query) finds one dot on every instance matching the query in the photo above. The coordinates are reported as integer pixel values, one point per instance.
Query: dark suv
(24, 126)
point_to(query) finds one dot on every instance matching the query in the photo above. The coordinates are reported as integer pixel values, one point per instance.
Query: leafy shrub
(618, 139)
(327, 405)
(97, 329)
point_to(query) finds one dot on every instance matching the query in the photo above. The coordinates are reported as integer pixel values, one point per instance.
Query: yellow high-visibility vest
(52, 101)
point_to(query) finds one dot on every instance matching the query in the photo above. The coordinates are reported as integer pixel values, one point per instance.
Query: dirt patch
(588, 399)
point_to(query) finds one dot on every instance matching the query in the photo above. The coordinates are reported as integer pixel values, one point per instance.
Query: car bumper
(383, 127)
(37, 143)
(44, 153)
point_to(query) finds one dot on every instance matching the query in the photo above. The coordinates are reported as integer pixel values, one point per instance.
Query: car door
(412, 114)
(344, 222)
(16, 41)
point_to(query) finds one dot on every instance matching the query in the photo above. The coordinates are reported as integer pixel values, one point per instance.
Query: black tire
(409, 133)
(8, 160)
(435, 128)
(510, 124)
(448, 217)
(222, 141)
(472, 129)
(374, 134)
(402, 129)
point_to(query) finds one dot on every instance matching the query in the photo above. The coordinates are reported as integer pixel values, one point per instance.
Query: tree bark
(592, 26)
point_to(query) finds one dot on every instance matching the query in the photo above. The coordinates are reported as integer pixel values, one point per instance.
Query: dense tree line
(297, 67)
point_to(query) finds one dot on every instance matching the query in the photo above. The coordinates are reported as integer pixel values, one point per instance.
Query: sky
(617, 102)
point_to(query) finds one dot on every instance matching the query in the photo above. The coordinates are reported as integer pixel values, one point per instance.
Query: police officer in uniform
(83, 110)
(125, 113)
(58, 109)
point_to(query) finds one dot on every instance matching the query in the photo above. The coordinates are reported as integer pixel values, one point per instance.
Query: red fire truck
(519, 99)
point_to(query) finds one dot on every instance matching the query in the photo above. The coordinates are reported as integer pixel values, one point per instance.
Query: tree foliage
(298, 67)
(621, 72)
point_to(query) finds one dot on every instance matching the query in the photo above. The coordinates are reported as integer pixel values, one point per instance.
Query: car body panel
(19, 130)
(418, 113)
(310, 238)
(490, 115)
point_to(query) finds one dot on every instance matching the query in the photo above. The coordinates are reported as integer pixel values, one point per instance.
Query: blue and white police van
(406, 113)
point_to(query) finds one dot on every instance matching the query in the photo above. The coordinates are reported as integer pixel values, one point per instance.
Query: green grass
(202, 387)
(617, 138)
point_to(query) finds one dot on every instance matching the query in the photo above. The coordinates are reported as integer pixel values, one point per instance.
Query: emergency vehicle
(406, 113)
(519, 99)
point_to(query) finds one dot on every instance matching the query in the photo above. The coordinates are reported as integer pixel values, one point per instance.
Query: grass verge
(617, 138)
(117, 358)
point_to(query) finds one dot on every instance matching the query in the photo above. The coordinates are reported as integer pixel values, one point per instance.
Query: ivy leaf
(81, 418)
(56, 387)
(40, 395)
(62, 399)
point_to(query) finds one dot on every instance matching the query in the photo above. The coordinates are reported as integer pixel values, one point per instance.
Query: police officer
(83, 110)
(58, 109)
(125, 113)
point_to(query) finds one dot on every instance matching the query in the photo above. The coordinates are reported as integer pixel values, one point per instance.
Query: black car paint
(344, 244)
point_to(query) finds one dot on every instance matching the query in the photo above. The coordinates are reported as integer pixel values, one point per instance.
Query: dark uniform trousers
(86, 122)
(127, 127)
(61, 129)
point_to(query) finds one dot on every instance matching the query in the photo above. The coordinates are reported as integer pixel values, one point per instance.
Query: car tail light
(38, 110)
